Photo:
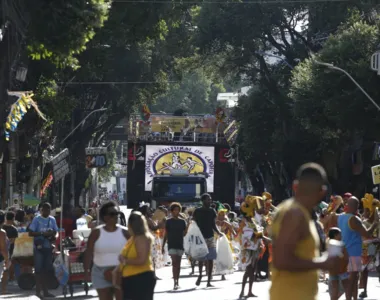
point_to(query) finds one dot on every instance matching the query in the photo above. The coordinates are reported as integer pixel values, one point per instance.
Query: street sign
(60, 165)
(375, 170)
(96, 157)
(376, 152)
(375, 62)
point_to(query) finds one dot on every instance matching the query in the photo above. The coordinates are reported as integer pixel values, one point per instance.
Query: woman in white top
(103, 248)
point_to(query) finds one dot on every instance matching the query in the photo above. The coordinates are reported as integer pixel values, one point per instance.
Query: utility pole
(11, 163)
(72, 179)
(81, 122)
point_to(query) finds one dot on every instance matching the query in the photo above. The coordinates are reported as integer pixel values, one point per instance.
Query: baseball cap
(347, 195)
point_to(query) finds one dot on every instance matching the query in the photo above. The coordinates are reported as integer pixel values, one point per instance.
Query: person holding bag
(136, 267)
(44, 230)
(103, 248)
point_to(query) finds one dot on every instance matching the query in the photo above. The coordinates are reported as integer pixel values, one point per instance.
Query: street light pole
(331, 66)
(81, 122)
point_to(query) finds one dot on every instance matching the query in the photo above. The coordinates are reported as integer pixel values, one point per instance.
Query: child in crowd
(338, 281)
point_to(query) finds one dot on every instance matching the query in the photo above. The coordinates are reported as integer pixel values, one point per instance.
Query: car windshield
(178, 189)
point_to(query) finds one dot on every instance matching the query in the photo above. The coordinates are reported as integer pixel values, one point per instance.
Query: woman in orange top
(136, 261)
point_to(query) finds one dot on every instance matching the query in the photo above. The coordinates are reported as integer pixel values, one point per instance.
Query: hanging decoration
(45, 184)
(18, 110)
(231, 132)
(220, 115)
(145, 113)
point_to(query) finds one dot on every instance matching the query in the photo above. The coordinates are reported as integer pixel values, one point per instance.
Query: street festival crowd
(297, 244)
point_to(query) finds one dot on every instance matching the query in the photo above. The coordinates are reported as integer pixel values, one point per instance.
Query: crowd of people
(122, 256)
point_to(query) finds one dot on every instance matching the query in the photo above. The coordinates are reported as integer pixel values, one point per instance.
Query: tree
(126, 64)
(331, 109)
(195, 93)
(235, 37)
(43, 37)
(59, 31)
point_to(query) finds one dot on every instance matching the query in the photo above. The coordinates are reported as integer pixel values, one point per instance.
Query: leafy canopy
(60, 29)
(326, 102)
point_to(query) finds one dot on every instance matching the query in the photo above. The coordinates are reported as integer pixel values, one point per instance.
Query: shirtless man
(353, 230)
(296, 241)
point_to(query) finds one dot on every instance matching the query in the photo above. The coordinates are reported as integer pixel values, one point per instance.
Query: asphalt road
(223, 290)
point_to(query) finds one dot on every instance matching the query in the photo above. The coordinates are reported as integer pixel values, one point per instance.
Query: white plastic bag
(224, 260)
(61, 271)
(194, 243)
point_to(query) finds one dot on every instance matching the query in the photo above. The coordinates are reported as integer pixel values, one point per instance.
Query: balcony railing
(201, 138)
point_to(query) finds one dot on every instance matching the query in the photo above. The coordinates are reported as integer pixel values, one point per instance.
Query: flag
(231, 132)
(18, 110)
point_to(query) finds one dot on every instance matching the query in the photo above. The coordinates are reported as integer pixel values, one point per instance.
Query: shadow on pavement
(176, 292)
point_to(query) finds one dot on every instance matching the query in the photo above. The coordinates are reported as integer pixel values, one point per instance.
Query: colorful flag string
(18, 110)
(45, 184)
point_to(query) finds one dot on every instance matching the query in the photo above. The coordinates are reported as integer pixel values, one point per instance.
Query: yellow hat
(267, 196)
(223, 210)
(250, 205)
(370, 203)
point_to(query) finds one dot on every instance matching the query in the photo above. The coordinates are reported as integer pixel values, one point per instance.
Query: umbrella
(30, 200)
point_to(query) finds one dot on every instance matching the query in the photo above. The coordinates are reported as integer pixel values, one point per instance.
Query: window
(178, 189)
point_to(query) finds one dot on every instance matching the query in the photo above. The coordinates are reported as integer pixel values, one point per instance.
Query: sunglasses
(113, 213)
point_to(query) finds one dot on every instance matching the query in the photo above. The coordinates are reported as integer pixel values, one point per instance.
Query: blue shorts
(43, 261)
(210, 256)
(343, 276)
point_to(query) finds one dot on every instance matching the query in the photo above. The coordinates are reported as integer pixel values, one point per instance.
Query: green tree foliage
(195, 93)
(328, 105)
(59, 30)
(274, 127)
(126, 64)
(52, 33)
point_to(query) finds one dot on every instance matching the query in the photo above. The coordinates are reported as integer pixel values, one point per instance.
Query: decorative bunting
(231, 132)
(18, 110)
(45, 184)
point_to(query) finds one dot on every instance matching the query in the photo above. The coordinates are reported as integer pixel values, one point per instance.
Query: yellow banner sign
(183, 124)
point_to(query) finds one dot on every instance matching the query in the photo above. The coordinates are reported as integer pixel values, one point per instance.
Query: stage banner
(206, 124)
(160, 158)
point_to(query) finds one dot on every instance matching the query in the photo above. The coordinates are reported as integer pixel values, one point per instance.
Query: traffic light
(24, 170)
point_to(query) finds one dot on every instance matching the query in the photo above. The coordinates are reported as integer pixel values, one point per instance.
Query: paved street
(223, 290)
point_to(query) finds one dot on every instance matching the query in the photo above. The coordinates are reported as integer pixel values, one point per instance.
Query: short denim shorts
(343, 276)
(97, 277)
(177, 252)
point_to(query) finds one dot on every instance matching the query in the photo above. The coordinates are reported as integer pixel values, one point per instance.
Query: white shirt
(82, 223)
(108, 247)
